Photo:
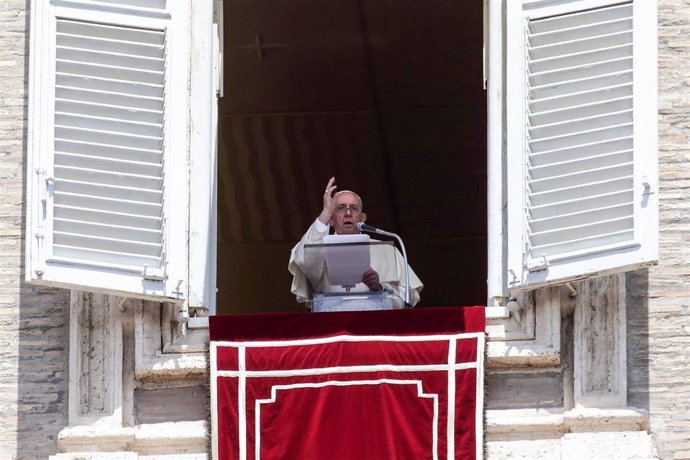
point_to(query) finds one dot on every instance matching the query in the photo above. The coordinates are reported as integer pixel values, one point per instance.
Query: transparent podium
(335, 270)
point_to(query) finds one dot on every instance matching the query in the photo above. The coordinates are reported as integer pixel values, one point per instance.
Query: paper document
(347, 258)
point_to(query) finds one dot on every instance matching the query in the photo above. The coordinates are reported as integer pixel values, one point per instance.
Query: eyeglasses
(343, 208)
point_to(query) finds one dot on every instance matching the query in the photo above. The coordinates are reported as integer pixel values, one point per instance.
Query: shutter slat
(105, 231)
(581, 151)
(569, 126)
(579, 177)
(582, 138)
(99, 256)
(577, 19)
(101, 191)
(564, 249)
(582, 86)
(552, 165)
(89, 109)
(94, 30)
(108, 244)
(108, 164)
(580, 231)
(109, 86)
(153, 4)
(114, 178)
(104, 44)
(578, 40)
(109, 151)
(581, 191)
(108, 72)
(581, 59)
(109, 125)
(136, 208)
(570, 112)
(581, 72)
(573, 100)
(69, 133)
(105, 217)
(578, 37)
(109, 99)
(590, 215)
(101, 59)
(575, 205)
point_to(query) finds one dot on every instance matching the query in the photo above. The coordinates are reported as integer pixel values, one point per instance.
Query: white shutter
(581, 138)
(109, 136)
(108, 176)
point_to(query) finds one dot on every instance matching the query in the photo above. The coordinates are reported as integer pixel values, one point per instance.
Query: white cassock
(391, 271)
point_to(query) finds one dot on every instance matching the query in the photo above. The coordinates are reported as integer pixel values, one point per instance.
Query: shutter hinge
(147, 275)
(39, 235)
(541, 264)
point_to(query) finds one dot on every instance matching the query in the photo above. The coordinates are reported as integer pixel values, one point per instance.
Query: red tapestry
(396, 384)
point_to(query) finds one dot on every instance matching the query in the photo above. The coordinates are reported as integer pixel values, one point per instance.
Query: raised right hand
(328, 202)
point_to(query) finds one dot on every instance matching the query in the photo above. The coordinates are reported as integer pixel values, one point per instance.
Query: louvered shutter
(581, 138)
(108, 195)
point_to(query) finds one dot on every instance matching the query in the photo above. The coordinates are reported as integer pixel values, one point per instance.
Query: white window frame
(506, 136)
(189, 275)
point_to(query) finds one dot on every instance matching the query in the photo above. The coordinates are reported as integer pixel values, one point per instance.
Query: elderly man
(343, 211)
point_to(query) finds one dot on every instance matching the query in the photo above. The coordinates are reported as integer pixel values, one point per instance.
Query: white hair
(361, 204)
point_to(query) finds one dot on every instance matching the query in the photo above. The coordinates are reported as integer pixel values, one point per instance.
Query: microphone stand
(370, 229)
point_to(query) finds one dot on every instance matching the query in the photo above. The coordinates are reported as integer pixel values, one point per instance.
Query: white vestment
(391, 272)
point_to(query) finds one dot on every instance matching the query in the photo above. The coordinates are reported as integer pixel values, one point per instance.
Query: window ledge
(522, 423)
(497, 313)
(148, 439)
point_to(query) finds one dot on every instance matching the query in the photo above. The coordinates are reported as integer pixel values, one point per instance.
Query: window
(123, 125)
(580, 81)
(117, 132)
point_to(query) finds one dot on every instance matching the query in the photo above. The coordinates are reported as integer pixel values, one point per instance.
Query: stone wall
(33, 321)
(659, 299)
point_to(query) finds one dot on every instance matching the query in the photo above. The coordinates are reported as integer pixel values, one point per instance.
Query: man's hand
(371, 279)
(328, 202)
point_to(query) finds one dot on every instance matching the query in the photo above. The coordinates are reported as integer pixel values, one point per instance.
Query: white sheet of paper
(346, 263)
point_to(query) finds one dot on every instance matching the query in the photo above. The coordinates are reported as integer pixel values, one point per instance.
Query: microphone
(362, 227)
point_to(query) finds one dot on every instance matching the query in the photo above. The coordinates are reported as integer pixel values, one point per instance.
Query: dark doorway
(386, 96)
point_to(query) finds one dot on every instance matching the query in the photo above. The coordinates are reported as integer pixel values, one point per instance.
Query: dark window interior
(386, 96)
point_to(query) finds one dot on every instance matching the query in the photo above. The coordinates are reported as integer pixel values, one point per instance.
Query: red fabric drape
(355, 385)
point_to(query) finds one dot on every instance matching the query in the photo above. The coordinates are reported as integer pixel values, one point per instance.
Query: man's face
(347, 213)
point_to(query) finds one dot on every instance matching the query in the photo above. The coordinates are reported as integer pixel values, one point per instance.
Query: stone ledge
(521, 353)
(543, 424)
(626, 445)
(125, 456)
(151, 439)
(635, 445)
(172, 366)
(601, 420)
(96, 456)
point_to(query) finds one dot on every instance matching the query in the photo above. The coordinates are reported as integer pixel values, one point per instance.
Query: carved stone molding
(531, 337)
(95, 384)
(600, 343)
(166, 348)
(121, 379)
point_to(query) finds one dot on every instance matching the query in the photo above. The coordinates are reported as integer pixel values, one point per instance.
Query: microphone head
(360, 225)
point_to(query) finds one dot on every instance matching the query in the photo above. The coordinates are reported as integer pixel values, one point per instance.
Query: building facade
(591, 366)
